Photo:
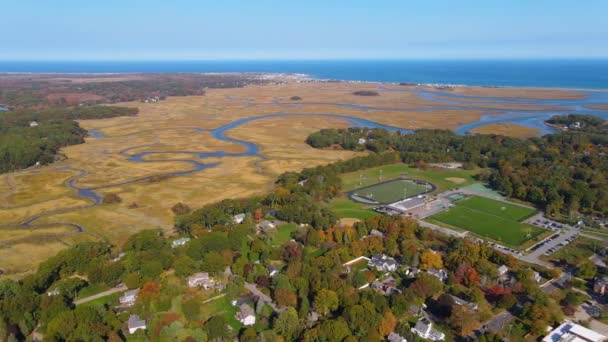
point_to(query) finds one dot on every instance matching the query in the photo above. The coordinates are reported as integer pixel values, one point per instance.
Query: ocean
(580, 73)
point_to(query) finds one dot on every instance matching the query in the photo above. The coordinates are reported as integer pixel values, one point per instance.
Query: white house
(383, 263)
(362, 141)
(54, 292)
(573, 332)
(440, 274)
(180, 242)
(536, 276)
(461, 302)
(272, 271)
(33, 124)
(424, 329)
(394, 337)
(265, 225)
(128, 298)
(502, 270)
(246, 315)
(237, 219)
(201, 279)
(135, 323)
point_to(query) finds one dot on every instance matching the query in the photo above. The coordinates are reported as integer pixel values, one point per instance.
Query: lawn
(497, 208)
(283, 233)
(487, 218)
(443, 179)
(391, 191)
(345, 208)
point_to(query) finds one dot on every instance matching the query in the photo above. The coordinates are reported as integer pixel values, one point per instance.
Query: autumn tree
(326, 301)
(431, 259)
(388, 323)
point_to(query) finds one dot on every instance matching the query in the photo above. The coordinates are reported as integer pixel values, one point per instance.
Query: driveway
(121, 288)
(263, 297)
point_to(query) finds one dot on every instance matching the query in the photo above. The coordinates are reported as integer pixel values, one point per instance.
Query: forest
(28, 137)
(586, 123)
(46, 91)
(564, 173)
(311, 277)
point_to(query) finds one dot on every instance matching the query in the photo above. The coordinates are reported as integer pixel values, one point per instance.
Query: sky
(310, 29)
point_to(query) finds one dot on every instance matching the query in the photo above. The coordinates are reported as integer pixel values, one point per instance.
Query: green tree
(326, 301)
(287, 324)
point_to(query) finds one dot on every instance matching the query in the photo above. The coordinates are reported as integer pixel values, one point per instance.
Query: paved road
(564, 235)
(254, 290)
(441, 229)
(111, 291)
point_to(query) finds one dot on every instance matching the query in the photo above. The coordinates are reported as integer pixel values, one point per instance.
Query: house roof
(131, 293)
(572, 332)
(503, 269)
(245, 310)
(197, 276)
(181, 241)
(394, 337)
(135, 322)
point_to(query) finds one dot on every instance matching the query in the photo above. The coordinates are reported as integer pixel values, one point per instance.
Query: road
(533, 256)
(254, 290)
(441, 229)
(111, 291)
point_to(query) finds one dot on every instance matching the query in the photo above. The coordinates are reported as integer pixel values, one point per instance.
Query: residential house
(441, 274)
(180, 242)
(462, 302)
(536, 276)
(246, 315)
(572, 332)
(600, 285)
(201, 279)
(129, 297)
(386, 287)
(394, 337)
(424, 328)
(383, 263)
(503, 270)
(377, 233)
(266, 225)
(237, 219)
(597, 261)
(54, 292)
(118, 257)
(272, 271)
(135, 323)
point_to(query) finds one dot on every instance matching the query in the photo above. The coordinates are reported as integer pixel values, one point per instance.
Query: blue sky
(311, 29)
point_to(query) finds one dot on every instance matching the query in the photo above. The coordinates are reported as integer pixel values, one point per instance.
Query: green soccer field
(391, 191)
(489, 218)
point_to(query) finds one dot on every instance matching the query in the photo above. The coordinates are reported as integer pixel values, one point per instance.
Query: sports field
(390, 191)
(492, 219)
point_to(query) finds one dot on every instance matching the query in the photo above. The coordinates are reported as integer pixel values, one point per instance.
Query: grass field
(443, 179)
(491, 219)
(283, 233)
(345, 208)
(391, 191)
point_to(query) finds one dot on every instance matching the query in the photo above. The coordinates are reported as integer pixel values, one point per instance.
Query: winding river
(447, 100)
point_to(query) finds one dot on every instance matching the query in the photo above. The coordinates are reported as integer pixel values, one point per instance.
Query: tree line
(29, 137)
(564, 173)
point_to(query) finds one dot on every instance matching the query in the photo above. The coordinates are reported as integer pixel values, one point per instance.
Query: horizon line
(555, 58)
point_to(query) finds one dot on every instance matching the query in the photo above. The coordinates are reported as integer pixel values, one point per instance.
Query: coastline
(571, 74)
